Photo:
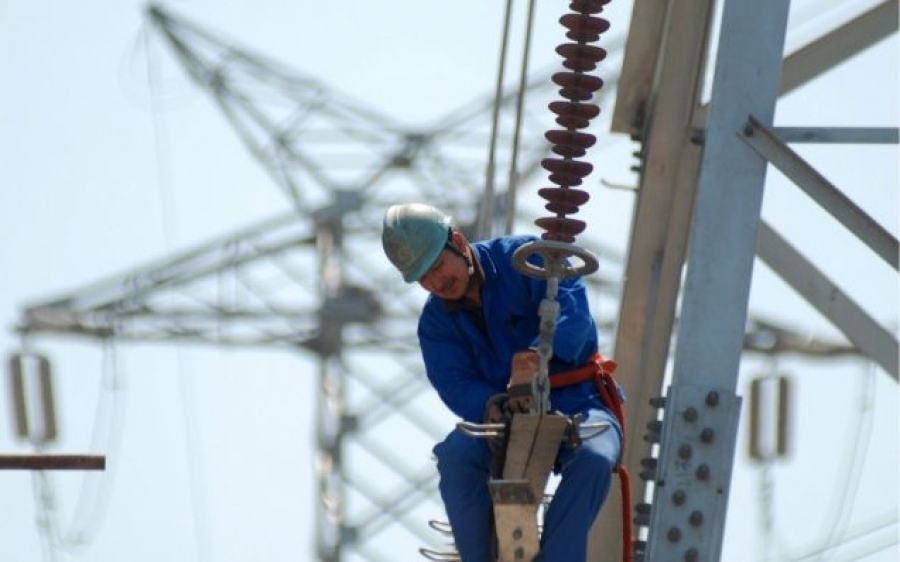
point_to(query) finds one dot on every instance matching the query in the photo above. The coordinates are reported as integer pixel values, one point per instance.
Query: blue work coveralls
(467, 365)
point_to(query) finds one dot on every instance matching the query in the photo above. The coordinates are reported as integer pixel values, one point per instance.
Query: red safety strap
(600, 370)
(583, 374)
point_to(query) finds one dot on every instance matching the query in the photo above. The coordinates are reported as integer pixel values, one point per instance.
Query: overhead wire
(880, 525)
(836, 535)
(872, 546)
(856, 445)
(93, 503)
(187, 392)
(486, 213)
(489, 201)
(95, 491)
(513, 182)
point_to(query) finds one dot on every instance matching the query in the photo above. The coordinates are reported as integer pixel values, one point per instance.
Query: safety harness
(600, 369)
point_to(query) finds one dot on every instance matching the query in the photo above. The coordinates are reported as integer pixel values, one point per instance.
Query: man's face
(448, 277)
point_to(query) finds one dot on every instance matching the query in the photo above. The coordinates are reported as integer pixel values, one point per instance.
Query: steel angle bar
(394, 508)
(400, 407)
(400, 512)
(838, 46)
(716, 292)
(830, 50)
(839, 135)
(865, 333)
(52, 462)
(764, 141)
(232, 250)
(646, 36)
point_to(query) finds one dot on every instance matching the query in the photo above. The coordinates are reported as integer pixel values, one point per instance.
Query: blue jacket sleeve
(452, 368)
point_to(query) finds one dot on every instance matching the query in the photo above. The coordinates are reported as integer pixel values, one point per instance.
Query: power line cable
(513, 181)
(856, 445)
(871, 548)
(882, 523)
(486, 214)
(859, 448)
(187, 392)
(95, 491)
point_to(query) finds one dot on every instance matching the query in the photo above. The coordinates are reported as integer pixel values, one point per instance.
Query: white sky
(215, 457)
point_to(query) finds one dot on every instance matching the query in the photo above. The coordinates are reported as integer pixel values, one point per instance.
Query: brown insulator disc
(588, 6)
(575, 167)
(573, 115)
(566, 172)
(563, 201)
(561, 229)
(571, 144)
(568, 151)
(580, 57)
(577, 80)
(584, 29)
(577, 86)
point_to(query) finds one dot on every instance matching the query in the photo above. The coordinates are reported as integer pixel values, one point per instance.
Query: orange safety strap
(596, 365)
(600, 369)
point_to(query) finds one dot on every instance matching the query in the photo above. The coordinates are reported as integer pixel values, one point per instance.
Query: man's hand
(525, 366)
(496, 409)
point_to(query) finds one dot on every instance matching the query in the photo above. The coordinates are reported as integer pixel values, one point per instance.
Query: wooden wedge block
(515, 520)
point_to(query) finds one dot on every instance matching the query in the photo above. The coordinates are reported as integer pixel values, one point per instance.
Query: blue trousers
(585, 473)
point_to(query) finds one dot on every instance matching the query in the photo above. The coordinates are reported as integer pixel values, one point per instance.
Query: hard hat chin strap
(468, 259)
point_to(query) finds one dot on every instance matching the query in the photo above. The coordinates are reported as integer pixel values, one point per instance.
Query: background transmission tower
(314, 280)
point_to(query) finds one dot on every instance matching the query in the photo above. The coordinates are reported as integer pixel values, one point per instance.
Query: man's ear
(462, 246)
(459, 241)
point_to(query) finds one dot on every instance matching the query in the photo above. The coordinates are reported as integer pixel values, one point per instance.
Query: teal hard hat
(413, 236)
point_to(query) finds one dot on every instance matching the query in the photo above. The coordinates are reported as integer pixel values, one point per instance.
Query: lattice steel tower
(288, 282)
